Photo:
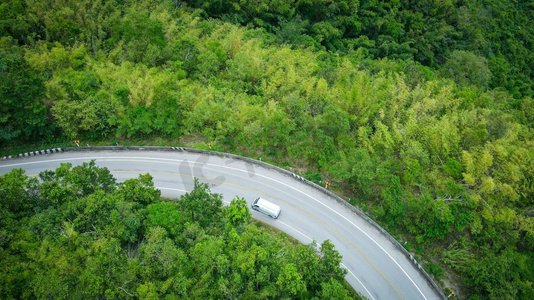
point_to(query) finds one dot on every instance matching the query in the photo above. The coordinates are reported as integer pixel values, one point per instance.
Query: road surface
(376, 268)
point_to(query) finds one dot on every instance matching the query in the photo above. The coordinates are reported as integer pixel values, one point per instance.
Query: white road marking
(170, 189)
(155, 159)
(295, 229)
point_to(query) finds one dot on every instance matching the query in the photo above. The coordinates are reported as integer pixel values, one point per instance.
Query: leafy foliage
(103, 239)
(352, 91)
(429, 32)
(23, 115)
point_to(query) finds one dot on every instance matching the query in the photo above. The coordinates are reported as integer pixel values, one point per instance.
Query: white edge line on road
(170, 189)
(295, 229)
(152, 159)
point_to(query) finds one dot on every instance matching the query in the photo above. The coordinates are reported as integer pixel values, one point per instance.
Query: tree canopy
(421, 112)
(76, 233)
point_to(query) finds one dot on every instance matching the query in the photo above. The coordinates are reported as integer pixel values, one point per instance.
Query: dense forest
(456, 36)
(77, 234)
(420, 112)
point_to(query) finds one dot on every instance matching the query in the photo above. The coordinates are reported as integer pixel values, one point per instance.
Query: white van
(266, 207)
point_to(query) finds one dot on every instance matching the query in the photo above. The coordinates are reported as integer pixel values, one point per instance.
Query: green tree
(159, 258)
(333, 290)
(16, 191)
(147, 291)
(23, 114)
(167, 216)
(466, 68)
(201, 206)
(105, 268)
(330, 262)
(308, 264)
(140, 190)
(290, 281)
(237, 212)
(93, 117)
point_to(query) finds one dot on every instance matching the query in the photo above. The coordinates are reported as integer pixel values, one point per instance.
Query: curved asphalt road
(375, 267)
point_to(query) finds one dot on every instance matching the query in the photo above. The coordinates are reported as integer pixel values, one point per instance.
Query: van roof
(268, 205)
